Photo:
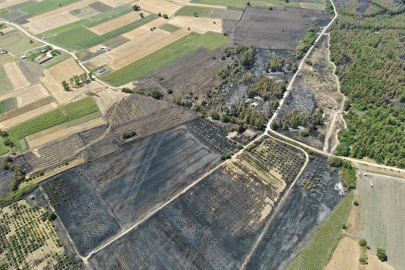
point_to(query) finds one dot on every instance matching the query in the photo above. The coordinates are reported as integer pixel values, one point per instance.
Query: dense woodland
(368, 46)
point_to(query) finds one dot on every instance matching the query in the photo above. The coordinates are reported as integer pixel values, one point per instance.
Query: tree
(240, 146)
(169, 91)
(165, 16)
(156, 94)
(31, 41)
(222, 157)
(136, 8)
(128, 135)
(224, 118)
(8, 142)
(363, 260)
(273, 126)
(127, 90)
(91, 73)
(362, 242)
(304, 133)
(195, 14)
(214, 115)
(159, 14)
(381, 254)
(356, 203)
(141, 14)
(51, 216)
(139, 92)
(228, 156)
(65, 85)
(76, 80)
(335, 161)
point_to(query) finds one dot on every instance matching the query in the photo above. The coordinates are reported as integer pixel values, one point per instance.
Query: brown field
(95, 48)
(65, 70)
(117, 23)
(144, 48)
(6, 124)
(375, 264)
(312, 6)
(15, 75)
(144, 28)
(107, 97)
(99, 61)
(50, 22)
(112, 3)
(346, 255)
(27, 95)
(7, 29)
(8, 3)
(179, 2)
(61, 131)
(156, 6)
(199, 25)
(54, 87)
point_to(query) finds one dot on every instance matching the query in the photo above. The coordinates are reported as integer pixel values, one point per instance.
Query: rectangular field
(137, 32)
(50, 22)
(169, 27)
(156, 6)
(64, 28)
(119, 22)
(5, 83)
(27, 95)
(199, 25)
(229, 3)
(192, 10)
(45, 6)
(66, 70)
(80, 34)
(109, 15)
(15, 75)
(7, 105)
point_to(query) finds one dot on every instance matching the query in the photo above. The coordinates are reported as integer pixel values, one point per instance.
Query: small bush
(223, 157)
(139, 92)
(224, 118)
(223, 57)
(335, 161)
(363, 260)
(66, 163)
(165, 16)
(8, 142)
(169, 91)
(310, 151)
(381, 254)
(156, 94)
(344, 227)
(304, 133)
(311, 157)
(228, 156)
(40, 173)
(355, 203)
(362, 242)
(214, 115)
(51, 216)
(128, 135)
(308, 62)
(126, 90)
(240, 146)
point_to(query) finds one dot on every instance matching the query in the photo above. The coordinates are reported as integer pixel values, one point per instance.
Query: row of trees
(77, 80)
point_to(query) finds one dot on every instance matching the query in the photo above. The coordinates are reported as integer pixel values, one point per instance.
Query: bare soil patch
(37, 26)
(29, 94)
(156, 6)
(206, 5)
(117, 23)
(313, 6)
(7, 3)
(199, 25)
(143, 29)
(84, 12)
(65, 70)
(17, 17)
(275, 29)
(346, 255)
(15, 75)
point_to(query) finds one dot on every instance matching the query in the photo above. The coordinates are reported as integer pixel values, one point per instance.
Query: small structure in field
(44, 59)
(250, 133)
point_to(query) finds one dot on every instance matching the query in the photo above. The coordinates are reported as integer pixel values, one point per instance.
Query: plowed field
(65, 70)
(199, 25)
(117, 23)
(15, 75)
(50, 22)
(156, 6)
(143, 29)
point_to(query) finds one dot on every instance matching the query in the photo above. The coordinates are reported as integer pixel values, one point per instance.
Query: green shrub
(335, 161)
(169, 91)
(224, 118)
(156, 94)
(362, 242)
(381, 254)
(139, 92)
(214, 115)
(240, 146)
(128, 135)
(126, 90)
(356, 203)
(51, 216)
(228, 156)
(363, 260)
(304, 133)
(222, 157)
(40, 173)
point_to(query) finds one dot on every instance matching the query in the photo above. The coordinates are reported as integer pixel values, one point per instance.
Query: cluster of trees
(246, 115)
(19, 177)
(347, 172)
(297, 118)
(267, 89)
(275, 63)
(77, 80)
(369, 51)
(307, 42)
(247, 54)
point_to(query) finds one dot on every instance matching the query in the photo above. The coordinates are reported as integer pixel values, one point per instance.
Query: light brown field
(313, 6)
(65, 70)
(144, 28)
(8, 3)
(99, 61)
(146, 48)
(117, 23)
(15, 75)
(7, 29)
(346, 255)
(156, 6)
(107, 97)
(6, 124)
(27, 95)
(198, 25)
(60, 131)
(205, 5)
(375, 264)
(95, 48)
(54, 87)
(50, 22)
(62, 9)
(112, 3)
(179, 2)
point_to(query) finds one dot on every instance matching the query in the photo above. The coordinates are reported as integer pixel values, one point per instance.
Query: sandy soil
(6, 124)
(144, 28)
(199, 25)
(27, 95)
(205, 5)
(59, 131)
(375, 264)
(50, 22)
(156, 6)
(106, 97)
(117, 23)
(65, 70)
(15, 75)
(346, 255)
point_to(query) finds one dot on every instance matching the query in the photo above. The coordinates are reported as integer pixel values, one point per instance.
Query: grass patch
(73, 36)
(169, 27)
(228, 3)
(323, 243)
(64, 28)
(5, 84)
(56, 60)
(3, 11)
(16, 196)
(190, 10)
(210, 41)
(8, 105)
(45, 6)
(109, 15)
(56, 117)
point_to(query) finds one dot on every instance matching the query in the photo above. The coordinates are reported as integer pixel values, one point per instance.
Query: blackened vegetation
(295, 118)
(6, 177)
(299, 217)
(81, 211)
(19, 177)
(213, 226)
(269, 90)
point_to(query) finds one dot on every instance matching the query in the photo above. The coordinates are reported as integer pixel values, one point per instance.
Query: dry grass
(107, 97)
(65, 70)
(6, 124)
(7, 29)
(99, 61)
(95, 48)
(117, 23)
(156, 6)
(198, 24)
(143, 29)
(346, 255)
(27, 95)
(50, 22)
(54, 87)
(15, 75)
(179, 2)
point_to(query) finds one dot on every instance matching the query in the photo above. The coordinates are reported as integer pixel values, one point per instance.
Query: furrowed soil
(299, 217)
(199, 25)
(276, 29)
(6, 177)
(143, 29)
(66, 70)
(46, 23)
(382, 215)
(15, 75)
(27, 95)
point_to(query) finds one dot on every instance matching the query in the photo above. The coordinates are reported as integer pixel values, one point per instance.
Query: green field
(21, 5)
(5, 84)
(56, 117)
(169, 27)
(210, 41)
(228, 3)
(73, 36)
(45, 6)
(109, 15)
(64, 28)
(3, 11)
(190, 10)
(8, 105)
(320, 248)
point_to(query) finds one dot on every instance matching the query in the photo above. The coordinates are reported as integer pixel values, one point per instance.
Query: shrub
(274, 126)
(304, 133)
(169, 91)
(51, 216)
(363, 260)
(214, 115)
(311, 157)
(224, 118)
(355, 203)
(66, 163)
(40, 173)
(240, 146)
(128, 135)
(156, 94)
(223, 157)
(310, 151)
(126, 90)
(362, 242)
(308, 62)
(344, 227)
(335, 161)
(228, 156)
(223, 57)
(136, 8)
(159, 14)
(165, 16)
(8, 142)
(381, 254)
(139, 92)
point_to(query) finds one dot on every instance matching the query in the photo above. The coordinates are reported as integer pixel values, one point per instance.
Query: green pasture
(45, 6)
(190, 10)
(73, 36)
(109, 15)
(3, 11)
(65, 28)
(319, 250)
(210, 41)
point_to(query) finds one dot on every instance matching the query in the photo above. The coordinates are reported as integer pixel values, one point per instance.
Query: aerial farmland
(202, 134)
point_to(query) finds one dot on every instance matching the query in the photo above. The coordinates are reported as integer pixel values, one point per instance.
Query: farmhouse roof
(250, 133)
(44, 59)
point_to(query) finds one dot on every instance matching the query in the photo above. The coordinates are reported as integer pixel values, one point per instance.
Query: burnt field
(310, 202)
(276, 29)
(6, 177)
